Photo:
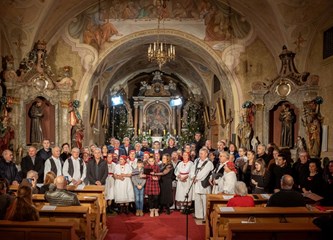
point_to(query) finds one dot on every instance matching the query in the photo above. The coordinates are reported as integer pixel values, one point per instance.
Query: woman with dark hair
(5, 198)
(166, 197)
(248, 167)
(105, 152)
(314, 182)
(22, 209)
(259, 177)
(65, 152)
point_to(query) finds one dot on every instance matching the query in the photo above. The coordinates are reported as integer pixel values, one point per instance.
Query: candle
(164, 132)
(139, 131)
(149, 131)
(175, 132)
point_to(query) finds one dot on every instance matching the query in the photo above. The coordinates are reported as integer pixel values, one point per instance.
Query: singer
(200, 170)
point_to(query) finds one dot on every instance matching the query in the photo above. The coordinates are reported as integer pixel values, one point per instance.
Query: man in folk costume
(200, 170)
(75, 168)
(54, 163)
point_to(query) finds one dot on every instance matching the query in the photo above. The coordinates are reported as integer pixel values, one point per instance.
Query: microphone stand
(186, 209)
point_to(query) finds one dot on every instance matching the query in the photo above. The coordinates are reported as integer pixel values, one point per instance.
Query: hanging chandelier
(160, 51)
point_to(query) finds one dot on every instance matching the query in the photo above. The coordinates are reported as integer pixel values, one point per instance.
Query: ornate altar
(152, 111)
(39, 99)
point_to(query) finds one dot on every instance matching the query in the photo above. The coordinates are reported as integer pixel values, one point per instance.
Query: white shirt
(47, 166)
(77, 173)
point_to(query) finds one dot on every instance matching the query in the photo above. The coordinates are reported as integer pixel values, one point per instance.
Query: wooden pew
(213, 199)
(97, 191)
(221, 218)
(277, 231)
(91, 201)
(70, 213)
(37, 230)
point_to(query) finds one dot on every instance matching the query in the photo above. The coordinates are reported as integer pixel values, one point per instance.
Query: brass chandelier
(160, 51)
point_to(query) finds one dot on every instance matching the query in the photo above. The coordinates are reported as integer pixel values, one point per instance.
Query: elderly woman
(229, 179)
(241, 199)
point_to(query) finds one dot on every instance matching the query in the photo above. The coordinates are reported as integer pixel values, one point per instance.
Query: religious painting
(157, 119)
(110, 20)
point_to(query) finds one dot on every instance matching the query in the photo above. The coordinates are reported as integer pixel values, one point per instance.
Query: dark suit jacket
(121, 151)
(102, 171)
(130, 147)
(27, 165)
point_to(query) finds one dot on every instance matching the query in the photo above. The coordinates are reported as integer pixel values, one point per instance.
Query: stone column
(179, 120)
(136, 115)
(260, 127)
(140, 116)
(63, 134)
(173, 123)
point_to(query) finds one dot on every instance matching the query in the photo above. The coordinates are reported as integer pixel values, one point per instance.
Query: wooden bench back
(277, 231)
(37, 230)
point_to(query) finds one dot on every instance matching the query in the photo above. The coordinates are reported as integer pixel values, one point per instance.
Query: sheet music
(48, 208)
(80, 187)
(227, 197)
(227, 209)
(265, 196)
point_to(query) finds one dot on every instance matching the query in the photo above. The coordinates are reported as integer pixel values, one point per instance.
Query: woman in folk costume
(229, 179)
(124, 193)
(132, 160)
(182, 172)
(152, 188)
(109, 183)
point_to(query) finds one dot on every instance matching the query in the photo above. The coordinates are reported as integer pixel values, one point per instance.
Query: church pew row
(79, 215)
(37, 230)
(277, 231)
(95, 211)
(97, 215)
(214, 199)
(223, 216)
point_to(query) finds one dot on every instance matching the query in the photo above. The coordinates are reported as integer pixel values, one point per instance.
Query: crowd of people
(143, 178)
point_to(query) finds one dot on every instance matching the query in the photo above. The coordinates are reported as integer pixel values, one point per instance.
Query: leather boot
(156, 212)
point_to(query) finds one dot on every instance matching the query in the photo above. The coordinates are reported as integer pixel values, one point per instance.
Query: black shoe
(168, 211)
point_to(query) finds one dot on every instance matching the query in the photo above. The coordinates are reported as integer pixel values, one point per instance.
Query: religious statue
(312, 120)
(36, 114)
(245, 133)
(77, 133)
(300, 145)
(287, 118)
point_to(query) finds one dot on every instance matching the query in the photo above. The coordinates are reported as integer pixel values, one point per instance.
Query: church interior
(228, 55)
(246, 72)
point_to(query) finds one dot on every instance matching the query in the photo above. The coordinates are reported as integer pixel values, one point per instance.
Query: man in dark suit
(33, 162)
(127, 146)
(117, 149)
(97, 169)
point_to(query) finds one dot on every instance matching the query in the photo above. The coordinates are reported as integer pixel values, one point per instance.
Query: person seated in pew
(5, 198)
(22, 208)
(31, 181)
(286, 197)
(241, 199)
(48, 180)
(60, 196)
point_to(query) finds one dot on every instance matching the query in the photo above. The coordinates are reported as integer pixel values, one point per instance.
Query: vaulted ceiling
(275, 22)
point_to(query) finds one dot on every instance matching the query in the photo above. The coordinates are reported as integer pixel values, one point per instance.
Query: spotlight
(177, 101)
(116, 100)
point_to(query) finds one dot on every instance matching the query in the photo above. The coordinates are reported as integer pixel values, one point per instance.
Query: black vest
(54, 167)
(71, 166)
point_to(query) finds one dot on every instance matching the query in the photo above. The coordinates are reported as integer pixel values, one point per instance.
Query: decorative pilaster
(136, 115)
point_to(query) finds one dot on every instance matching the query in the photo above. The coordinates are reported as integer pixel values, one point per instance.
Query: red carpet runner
(164, 227)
